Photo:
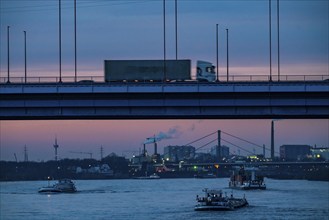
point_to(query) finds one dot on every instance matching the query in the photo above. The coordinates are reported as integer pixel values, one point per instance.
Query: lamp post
(75, 40)
(8, 57)
(176, 26)
(60, 41)
(270, 43)
(278, 39)
(217, 65)
(25, 71)
(164, 40)
(227, 54)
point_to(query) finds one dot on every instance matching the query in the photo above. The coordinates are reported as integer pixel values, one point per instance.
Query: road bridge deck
(164, 100)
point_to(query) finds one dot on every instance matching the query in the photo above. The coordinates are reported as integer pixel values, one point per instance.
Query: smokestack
(144, 151)
(272, 139)
(155, 148)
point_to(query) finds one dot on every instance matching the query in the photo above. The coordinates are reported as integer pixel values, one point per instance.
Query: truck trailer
(156, 71)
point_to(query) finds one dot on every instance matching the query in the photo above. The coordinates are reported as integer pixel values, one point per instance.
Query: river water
(162, 199)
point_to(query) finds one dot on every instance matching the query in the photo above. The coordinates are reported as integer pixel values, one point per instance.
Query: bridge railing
(100, 79)
(266, 78)
(50, 79)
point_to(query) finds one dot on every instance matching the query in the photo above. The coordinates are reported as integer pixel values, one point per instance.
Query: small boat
(246, 179)
(62, 186)
(213, 200)
(153, 176)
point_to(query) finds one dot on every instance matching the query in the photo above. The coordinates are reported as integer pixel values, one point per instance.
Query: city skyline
(126, 137)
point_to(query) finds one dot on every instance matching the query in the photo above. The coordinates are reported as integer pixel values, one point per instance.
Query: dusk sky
(133, 29)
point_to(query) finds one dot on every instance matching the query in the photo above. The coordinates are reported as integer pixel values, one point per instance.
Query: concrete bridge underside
(164, 101)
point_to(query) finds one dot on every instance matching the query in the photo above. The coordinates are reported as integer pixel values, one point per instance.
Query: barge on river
(214, 200)
(62, 186)
(246, 179)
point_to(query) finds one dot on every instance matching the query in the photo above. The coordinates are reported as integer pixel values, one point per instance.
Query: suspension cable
(257, 145)
(206, 144)
(237, 146)
(200, 138)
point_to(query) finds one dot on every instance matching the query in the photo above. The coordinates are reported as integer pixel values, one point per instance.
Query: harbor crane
(79, 152)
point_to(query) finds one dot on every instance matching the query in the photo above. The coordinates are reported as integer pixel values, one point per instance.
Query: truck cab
(205, 71)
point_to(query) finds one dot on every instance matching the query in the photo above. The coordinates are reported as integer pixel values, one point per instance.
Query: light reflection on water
(161, 199)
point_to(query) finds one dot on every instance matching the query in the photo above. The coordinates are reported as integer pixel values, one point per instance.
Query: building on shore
(321, 152)
(224, 151)
(294, 152)
(178, 153)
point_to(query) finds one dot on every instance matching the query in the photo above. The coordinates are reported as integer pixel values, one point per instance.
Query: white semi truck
(156, 71)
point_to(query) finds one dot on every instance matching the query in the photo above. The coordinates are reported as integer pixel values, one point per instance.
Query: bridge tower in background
(218, 148)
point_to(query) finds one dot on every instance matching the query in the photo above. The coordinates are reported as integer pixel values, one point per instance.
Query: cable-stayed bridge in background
(216, 139)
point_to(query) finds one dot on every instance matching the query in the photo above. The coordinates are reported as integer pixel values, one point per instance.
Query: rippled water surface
(162, 199)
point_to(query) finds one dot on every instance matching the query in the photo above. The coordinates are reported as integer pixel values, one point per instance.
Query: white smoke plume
(174, 132)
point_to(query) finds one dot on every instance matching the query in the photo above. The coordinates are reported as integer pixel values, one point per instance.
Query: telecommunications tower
(56, 146)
